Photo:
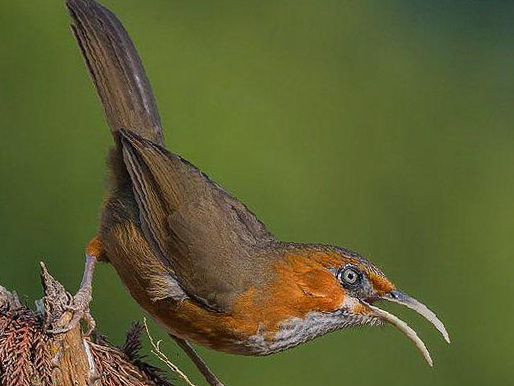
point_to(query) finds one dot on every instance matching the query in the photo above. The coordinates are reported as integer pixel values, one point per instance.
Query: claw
(79, 306)
(80, 310)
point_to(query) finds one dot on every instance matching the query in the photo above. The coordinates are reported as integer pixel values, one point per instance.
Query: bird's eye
(350, 276)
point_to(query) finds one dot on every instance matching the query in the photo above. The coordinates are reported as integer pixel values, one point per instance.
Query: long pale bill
(409, 302)
(403, 327)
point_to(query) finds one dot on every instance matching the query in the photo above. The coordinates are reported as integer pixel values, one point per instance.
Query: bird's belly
(237, 335)
(240, 333)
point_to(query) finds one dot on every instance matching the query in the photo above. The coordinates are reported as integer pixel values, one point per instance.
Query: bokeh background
(382, 126)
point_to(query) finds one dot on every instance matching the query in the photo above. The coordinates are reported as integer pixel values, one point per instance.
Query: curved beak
(404, 299)
(396, 296)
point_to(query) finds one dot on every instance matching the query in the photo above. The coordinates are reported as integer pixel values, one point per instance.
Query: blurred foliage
(382, 126)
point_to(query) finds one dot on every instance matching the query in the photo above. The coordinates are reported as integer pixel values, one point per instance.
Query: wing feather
(210, 242)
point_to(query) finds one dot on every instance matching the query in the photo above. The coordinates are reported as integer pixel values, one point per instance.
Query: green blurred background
(382, 126)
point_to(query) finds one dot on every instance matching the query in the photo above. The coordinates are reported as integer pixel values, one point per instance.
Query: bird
(192, 255)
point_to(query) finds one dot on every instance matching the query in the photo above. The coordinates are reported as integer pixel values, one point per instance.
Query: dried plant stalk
(30, 356)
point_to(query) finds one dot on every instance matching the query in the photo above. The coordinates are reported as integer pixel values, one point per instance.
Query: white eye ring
(350, 276)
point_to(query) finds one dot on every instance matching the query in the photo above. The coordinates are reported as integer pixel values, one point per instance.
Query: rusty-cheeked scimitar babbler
(193, 256)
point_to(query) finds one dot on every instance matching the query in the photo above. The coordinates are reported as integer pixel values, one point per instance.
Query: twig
(156, 350)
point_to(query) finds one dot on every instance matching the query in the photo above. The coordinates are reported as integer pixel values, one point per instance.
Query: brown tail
(116, 70)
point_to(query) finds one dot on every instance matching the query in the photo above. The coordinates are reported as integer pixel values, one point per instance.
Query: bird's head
(323, 289)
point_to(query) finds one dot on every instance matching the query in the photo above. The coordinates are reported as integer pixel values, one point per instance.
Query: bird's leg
(79, 305)
(210, 377)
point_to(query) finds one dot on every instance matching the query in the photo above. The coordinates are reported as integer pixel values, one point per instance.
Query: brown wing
(210, 241)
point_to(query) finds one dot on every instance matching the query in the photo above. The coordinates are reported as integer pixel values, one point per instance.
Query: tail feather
(116, 70)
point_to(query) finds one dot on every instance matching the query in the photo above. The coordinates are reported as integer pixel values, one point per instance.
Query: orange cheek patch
(313, 286)
(322, 285)
(299, 287)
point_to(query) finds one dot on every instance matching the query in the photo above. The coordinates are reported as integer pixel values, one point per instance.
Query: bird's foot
(79, 308)
(79, 304)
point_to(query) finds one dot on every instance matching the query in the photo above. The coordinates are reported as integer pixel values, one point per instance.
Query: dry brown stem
(30, 356)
